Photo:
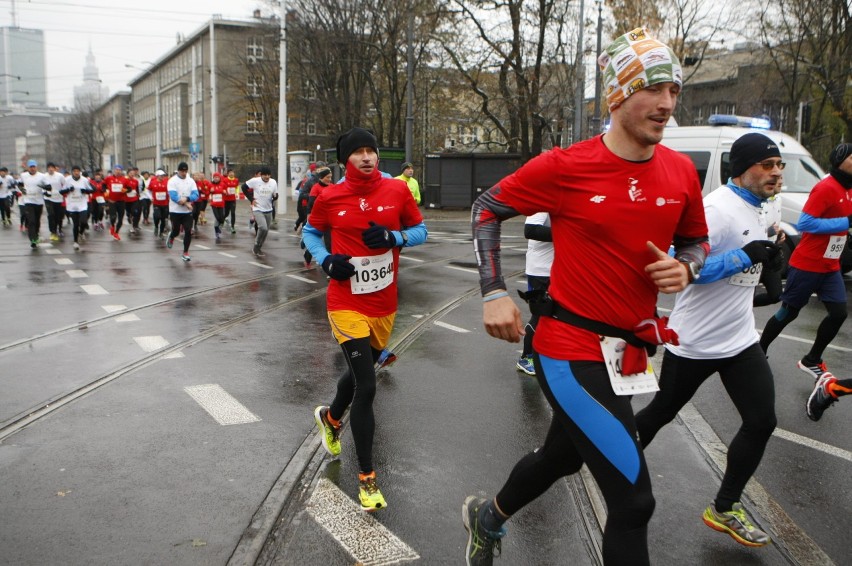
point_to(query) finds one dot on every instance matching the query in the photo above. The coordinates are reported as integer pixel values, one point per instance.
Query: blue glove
(378, 237)
(337, 267)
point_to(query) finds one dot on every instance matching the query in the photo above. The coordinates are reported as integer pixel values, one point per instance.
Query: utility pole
(580, 69)
(409, 111)
(283, 176)
(596, 118)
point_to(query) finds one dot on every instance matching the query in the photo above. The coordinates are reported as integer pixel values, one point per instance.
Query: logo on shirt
(634, 192)
(381, 208)
(365, 206)
(597, 199)
(746, 233)
(341, 213)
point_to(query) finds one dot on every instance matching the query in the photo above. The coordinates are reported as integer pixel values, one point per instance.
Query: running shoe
(76, 246)
(170, 242)
(814, 370)
(33, 244)
(54, 238)
(369, 494)
(116, 237)
(330, 433)
(525, 364)
(482, 545)
(259, 252)
(820, 398)
(185, 256)
(386, 358)
(233, 230)
(736, 524)
(307, 265)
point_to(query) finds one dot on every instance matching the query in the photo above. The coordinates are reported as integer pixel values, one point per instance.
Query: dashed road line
(94, 289)
(448, 326)
(53, 251)
(368, 542)
(467, 269)
(151, 343)
(226, 254)
(201, 247)
(113, 308)
(260, 265)
(810, 341)
(298, 278)
(811, 443)
(129, 317)
(221, 405)
(76, 274)
(63, 261)
(414, 259)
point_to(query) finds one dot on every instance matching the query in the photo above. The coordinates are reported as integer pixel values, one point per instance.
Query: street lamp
(159, 150)
(596, 118)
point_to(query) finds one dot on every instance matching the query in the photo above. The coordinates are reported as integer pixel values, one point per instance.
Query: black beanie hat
(348, 142)
(750, 149)
(839, 154)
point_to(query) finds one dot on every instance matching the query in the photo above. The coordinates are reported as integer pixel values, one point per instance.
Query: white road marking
(297, 278)
(451, 327)
(810, 341)
(63, 261)
(260, 265)
(174, 355)
(227, 254)
(151, 343)
(94, 289)
(433, 233)
(220, 404)
(200, 247)
(811, 443)
(113, 308)
(417, 316)
(53, 251)
(414, 259)
(129, 317)
(462, 269)
(368, 542)
(76, 273)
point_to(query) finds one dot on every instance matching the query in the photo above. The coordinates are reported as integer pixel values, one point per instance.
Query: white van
(709, 147)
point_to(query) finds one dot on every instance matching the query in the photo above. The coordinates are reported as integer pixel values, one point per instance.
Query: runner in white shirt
(714, 321)
(182, 193)
(264, 191)
(54, 202)
(6, 183)
(77, 191)
(33, 184)
(539, 259)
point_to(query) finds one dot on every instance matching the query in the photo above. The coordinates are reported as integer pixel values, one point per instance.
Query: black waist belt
(543, 305)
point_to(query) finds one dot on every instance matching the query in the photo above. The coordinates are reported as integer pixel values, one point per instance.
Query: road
(153, 411)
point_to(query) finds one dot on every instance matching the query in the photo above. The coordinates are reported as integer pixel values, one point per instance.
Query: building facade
(114, 121)
(23, 68)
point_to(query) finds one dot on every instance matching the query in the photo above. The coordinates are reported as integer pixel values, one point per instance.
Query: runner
(115, 195)
(97, 201)
(264, 193)
(199, 206)
(131, 199)
(539, 258)
(715, 325)
(76, 192)
(615, 201)
(6, 184)
(158, 185)
(323, 180)
(217, 203)
(371, 218)
(231, 183)
(55, 202)
(145, 196)
(182, 193)
(33, 186)
(815, 268)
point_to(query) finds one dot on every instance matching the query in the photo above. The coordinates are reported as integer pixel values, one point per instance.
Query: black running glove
(337, 267)
(760, 251)
(378, 237)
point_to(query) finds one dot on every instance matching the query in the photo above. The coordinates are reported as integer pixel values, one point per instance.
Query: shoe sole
(373, 509)
(321, 426)
(388, 361)
(805, 369)
(814, 392)
(466, 522)
(522, 370)
(723, 529)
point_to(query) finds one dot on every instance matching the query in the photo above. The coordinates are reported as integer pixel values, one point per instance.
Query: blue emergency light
(755, 122)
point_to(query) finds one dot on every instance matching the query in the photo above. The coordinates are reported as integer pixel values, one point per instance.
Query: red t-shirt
(98, 189)
(132, 189)
(115, 188)
(203, 189)
(217, 195)
(828, 199)
(603, 210)
(231, 185)
(347, 209)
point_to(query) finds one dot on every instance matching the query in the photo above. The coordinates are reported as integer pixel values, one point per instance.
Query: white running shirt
(539, 254)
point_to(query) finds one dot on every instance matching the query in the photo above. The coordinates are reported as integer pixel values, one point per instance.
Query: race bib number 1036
(372, 273)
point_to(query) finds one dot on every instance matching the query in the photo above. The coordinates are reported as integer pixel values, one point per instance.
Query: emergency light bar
(742, 121)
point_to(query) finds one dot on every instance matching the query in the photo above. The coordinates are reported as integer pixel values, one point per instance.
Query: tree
(80, 140)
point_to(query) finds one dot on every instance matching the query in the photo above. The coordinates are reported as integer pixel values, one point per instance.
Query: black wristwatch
(693, 272)
(404, 238)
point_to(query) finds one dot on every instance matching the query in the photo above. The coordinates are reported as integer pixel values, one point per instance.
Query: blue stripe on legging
(605, 431)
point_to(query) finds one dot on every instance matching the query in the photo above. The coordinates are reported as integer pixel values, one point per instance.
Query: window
(254, 49)
(312, 127)
(254, 122)
(701, 160)
(254, 86)
(308, 90)
(254, 155)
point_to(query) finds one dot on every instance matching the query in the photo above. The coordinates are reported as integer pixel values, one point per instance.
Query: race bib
(116, 187)
(131, 194)
(75, 196)
(160, 195)
(231, 191)
(372, 273)
(100, 200)
(835, 247)
(613, 350)
(216, 198)
(748, 277)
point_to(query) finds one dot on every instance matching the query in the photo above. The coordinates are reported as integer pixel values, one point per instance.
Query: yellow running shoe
(736, 524)
(330, 433)
(369, 494)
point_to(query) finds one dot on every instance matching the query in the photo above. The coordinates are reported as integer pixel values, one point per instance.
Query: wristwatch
(693, 272)
(404, 238)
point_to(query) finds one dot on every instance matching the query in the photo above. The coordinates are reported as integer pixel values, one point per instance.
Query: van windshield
(800, 174)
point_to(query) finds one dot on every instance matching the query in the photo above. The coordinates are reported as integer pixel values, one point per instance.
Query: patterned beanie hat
(634, 61)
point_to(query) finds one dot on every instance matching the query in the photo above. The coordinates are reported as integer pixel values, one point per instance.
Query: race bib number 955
(372, 273)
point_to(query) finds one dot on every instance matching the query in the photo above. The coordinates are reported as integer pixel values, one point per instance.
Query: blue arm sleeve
(173, 195)
(814, 225)
(193, 196)
(314, 244)
(723, 265)
(416, 235)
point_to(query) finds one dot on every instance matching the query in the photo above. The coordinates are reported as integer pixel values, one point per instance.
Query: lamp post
(596, 118)
(580, 69)
(158, 156)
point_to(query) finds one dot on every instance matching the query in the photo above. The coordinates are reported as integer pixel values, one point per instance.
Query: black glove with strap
(761, 251)
(378, 237)
(337, 267)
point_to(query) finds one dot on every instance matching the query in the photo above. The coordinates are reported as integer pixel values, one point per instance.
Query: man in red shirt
(616, 203)
(231, 184)
(200, 206)
(158, 186)
(815, 268)
(370, 219)
(131, 199)
(115, 195)
(217, 203)
(98, 200)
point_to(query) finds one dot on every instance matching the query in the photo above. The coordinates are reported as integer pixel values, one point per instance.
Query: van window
(701, 160)
(725, 167)
(801, 174)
